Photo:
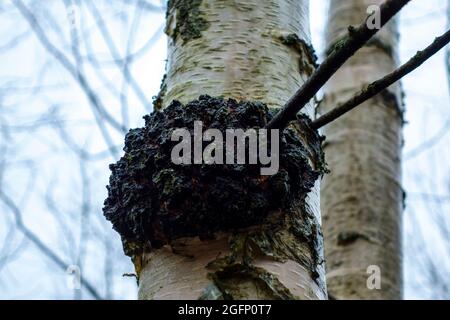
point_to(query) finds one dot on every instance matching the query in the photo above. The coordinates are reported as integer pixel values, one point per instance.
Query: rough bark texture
(246, 50)
(362, 199)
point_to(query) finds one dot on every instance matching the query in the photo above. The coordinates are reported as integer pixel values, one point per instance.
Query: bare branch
(116, 56)
(30, 235)
(65, 62)
(377, 86)
(429, 143)
(347, 47)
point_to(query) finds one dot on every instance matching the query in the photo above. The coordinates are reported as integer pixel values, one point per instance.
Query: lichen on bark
(288, 235)
(308, 57)
(228, 281)
(185, 15)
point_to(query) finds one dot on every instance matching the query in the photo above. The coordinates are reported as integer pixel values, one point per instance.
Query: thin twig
(65, 62)
(376, 87)
(30, 235)
(347, 47)
(107, 37)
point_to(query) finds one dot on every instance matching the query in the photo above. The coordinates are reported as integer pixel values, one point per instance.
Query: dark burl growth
(151, 201)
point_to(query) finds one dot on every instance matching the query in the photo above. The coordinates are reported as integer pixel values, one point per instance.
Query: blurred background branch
(71, 85)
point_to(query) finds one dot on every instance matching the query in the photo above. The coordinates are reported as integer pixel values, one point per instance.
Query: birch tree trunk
(362, 198)
(246, 50)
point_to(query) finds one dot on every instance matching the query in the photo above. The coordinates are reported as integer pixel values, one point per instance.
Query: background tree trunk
(362, 198)
(247, 50)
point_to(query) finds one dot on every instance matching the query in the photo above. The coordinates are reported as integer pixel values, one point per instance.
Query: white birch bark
(362, 196)
(243, 52)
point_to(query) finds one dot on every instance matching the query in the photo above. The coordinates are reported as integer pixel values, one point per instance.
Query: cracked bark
(362, 198)
(246, 50)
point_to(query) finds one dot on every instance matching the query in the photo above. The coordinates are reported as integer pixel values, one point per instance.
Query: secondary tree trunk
(247, 50)
(362, 199)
